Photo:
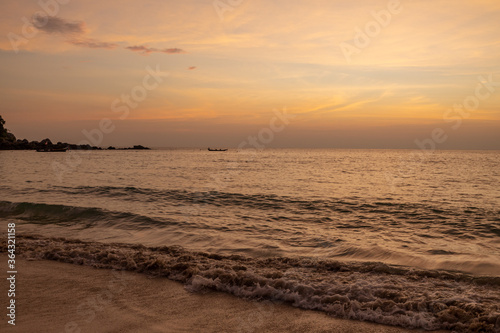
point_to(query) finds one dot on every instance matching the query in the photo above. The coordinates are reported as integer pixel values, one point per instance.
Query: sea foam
(371, 291)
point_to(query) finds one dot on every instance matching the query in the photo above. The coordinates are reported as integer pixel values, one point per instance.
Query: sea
(408, 238)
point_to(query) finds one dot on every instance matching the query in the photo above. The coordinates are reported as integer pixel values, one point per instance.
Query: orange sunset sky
(355, 74)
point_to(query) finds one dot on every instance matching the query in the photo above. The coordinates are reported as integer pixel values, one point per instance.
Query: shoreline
(60, 297)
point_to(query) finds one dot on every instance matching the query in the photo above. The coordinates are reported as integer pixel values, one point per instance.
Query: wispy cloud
(173, 50)
(57, 25)
(147, 50)
(75, 32)
(92, 43)
(140, 48)
(191, 68)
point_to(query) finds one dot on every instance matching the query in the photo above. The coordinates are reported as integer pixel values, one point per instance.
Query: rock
(8, 141)
(46, 142)
(140, 147)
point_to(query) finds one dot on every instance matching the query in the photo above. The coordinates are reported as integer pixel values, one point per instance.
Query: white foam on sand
(374, 292)
(60, 297)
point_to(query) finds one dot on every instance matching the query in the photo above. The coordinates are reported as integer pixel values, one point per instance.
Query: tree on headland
(8, 140)
(2, 122)
(4, 133)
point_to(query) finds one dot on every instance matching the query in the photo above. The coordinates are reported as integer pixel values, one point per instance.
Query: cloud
(92, 43)
(147, 50)
(141, 48)
(191, 68)
(56, 25)
(174, 50)
(75, 32)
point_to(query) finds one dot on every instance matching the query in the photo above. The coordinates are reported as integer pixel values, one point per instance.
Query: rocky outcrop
(8, 141)
(138, 147)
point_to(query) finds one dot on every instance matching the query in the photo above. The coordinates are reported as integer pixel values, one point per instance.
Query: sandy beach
(59, 297)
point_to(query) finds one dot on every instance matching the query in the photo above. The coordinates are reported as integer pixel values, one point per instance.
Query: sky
(287, 73)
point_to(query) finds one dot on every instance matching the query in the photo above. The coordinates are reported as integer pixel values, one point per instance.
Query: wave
(277, 202)
(466, 222)
(371, 291)
(39, 213)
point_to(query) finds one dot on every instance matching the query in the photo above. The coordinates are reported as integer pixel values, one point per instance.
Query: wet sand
(59, 297)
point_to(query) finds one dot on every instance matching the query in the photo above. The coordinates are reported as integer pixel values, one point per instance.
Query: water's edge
(369, 291)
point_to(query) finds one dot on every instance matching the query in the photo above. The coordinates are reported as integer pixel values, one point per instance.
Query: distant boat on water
(211, 149)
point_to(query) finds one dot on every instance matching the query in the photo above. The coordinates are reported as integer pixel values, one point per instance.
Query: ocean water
(399, 237)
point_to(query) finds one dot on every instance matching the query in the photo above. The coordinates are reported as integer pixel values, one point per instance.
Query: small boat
(210, 149)
(52, 150)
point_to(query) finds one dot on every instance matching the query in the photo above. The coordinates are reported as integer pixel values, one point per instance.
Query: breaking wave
(370, 291)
